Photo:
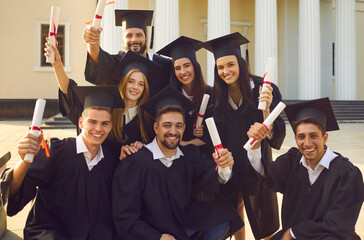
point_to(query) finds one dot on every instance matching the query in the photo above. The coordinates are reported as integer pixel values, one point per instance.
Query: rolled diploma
(267, 122)
(267, 79)
(98, 14)
(202, 111)
(37, 119)
(53, 25)
(216, 141)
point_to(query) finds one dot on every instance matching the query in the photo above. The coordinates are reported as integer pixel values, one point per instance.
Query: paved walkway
(349, 141)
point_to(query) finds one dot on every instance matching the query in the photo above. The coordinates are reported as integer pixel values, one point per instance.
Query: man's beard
(141, 51)
(171, 145)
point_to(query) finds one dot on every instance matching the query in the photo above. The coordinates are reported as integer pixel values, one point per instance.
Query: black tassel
(247, 56)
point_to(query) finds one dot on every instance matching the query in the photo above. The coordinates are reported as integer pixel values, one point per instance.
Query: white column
(265, 36)
(345, 50)
(218, 24)
(111, 35)
(309, 49)
(166, 22)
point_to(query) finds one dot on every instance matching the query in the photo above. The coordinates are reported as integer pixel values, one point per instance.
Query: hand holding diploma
(37, 119)
(267, 79)
(219, 150)
(267, 123)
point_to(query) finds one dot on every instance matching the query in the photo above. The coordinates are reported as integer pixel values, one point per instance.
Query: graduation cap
(225, 45)
(166, 97)
(182, 47)
(133, 18)
(132, 60)
(318, 109)
(99, 96)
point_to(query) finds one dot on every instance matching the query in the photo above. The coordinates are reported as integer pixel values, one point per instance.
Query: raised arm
(91, 36)
(58, 68)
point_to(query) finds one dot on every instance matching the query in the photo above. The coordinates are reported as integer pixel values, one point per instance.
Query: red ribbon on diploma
(98, 16)
(255, 139)
(44, 144)
(217, 148)
(54, 33)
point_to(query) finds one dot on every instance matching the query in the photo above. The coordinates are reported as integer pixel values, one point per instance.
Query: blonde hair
(117, 116)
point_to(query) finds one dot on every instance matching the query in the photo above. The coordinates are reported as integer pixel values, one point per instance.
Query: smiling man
(101, 66)
(152, 188)
(72, 187)
(322, 190)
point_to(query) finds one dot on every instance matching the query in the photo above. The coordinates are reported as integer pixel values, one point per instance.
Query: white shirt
(189, 97)
(231, 102)
(158, 155)
(130, 113)
(81, 148)
(150, 56)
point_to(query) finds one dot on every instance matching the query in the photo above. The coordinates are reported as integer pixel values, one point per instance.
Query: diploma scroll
(37, 119)
(216, 141)
(52, 35)
(267, 122)
(98, 14)
(267, 79)
(202, 111)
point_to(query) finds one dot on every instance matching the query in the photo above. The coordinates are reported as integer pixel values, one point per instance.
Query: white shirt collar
(232, 103)
(324, 162)
(150, 56)
(158, 154)
(81, 148)
(186, 95)
(130, 114)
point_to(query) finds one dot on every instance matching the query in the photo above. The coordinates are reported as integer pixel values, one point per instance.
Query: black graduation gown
(329, 208)
(260, 203)
(71, 107)
(191, 123)
(107, 73)
(150, 199)
(71, 202)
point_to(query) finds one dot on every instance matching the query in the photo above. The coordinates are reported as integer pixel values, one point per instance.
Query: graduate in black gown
(102, 68)
(72, 187)
(151, 188)
(186, 77)
(132, 127)
(236, 93)
(322, 190)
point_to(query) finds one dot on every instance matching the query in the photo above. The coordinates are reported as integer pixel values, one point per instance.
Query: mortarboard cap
(132, 60)
(225, 45)
(168, 96)
(99, 96)
(318, 109)
(133, 18)
(182, 47)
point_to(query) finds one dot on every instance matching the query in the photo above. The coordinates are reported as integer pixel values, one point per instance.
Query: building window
(60, 39)
(63, 45)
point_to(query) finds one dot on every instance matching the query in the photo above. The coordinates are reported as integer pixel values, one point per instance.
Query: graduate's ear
(155, 127)
(80, 125)
(326, 136)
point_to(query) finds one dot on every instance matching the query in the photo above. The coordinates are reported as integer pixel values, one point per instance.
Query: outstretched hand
(225, 160)
(258, 131)
(57, 57)
(91, 35)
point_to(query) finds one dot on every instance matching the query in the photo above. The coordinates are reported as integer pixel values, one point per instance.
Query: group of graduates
(140, 168)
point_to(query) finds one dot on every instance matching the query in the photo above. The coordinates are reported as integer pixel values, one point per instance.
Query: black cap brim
(99, 96)
(225, 45)
(318, 109)
(166, 97)
(133, 18)
(182, 47)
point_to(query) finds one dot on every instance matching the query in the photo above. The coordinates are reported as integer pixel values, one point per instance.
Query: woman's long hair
(221, 90)
(199, 85)
(145, 120)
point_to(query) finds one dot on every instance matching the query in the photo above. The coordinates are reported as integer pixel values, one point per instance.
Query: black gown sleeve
(339, 221)
(69, 105)
(127, 202)
(102, 73)
(39, 173)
